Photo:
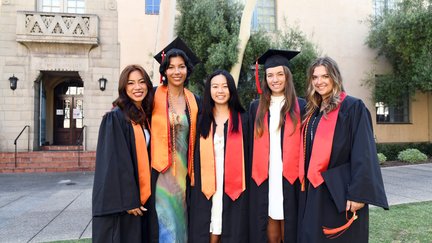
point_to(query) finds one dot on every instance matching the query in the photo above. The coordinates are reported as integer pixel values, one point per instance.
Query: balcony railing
(57, 27)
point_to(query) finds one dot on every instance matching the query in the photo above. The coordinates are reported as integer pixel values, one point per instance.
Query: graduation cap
(273, 58)
(178, 44)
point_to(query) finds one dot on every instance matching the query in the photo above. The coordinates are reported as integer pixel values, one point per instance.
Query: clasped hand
(137, 211)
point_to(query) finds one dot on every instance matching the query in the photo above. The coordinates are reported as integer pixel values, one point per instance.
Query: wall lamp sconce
(102, 83)
(13, 82)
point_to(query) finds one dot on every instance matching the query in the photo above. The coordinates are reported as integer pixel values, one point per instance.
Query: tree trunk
(244, 34)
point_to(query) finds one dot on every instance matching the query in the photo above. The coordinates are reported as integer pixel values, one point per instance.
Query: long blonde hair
(313, 98)
(264, 103)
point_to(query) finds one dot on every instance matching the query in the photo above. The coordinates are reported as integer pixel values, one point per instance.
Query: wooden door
(68, 120)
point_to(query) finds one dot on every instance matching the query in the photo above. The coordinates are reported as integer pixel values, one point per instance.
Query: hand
(354, 206)
(137, 211)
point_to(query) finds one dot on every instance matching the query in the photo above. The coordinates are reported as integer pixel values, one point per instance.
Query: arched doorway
(68, 112)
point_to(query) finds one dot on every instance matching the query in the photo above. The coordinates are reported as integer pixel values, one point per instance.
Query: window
(264, 16)
(393, 114)
(62, 6)
(152, 6)
(382, 6)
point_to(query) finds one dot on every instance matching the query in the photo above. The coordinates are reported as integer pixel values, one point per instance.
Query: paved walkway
(57, 206)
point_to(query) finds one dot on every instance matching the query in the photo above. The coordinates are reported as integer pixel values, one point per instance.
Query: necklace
(312, 128)
(174, 120)
(174, 123)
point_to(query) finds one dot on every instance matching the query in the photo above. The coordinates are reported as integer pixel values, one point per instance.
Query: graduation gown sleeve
(366, 183)
(115, 187)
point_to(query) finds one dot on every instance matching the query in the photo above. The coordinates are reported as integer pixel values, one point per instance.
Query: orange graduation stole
(322, 146)
(290, 150)
(161, 144)
(143, 163)
(234, 174)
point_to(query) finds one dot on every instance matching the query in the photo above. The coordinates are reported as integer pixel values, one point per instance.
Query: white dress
(216, 211)
(275, 206)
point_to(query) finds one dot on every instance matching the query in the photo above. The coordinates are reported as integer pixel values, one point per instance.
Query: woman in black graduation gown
(122, 188)
(339, 170)
(218, 210)
(275, 143)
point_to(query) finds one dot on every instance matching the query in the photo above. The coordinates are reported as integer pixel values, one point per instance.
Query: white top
(147, 136)
(275, 195)
(216, 211)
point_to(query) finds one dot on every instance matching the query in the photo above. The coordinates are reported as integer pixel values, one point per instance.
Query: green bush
(391, 150)
(412, 156)
(381, 158)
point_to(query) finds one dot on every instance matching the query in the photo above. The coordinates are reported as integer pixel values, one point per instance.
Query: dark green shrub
(391, 150)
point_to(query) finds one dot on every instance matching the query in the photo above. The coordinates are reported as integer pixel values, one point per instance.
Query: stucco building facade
(61, 53)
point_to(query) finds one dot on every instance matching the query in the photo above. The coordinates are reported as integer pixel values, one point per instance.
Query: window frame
(152, 7)
(260, 13)
(398, 114)
(63, 6)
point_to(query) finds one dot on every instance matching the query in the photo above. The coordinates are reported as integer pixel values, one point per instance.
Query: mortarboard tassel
(336, 232)
(163, 57)
(257, 82)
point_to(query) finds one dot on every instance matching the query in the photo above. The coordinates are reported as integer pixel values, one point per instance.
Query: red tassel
(257, 82)
(163, 57)
(332, 233)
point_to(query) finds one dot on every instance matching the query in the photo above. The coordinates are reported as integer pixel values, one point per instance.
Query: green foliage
(412, 156)
(404, 37)
(402, 223)
(211, 28)
(391, 150)
(381, 158)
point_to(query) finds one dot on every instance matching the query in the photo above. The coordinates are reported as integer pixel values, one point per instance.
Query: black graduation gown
(234, 213)
(353, 174)
(258, 195)
(115, 187)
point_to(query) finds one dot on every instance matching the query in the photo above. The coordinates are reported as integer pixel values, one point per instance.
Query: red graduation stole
(160, 130)
(234, 174)
(290, 150)
(143, 163)
(322, 146)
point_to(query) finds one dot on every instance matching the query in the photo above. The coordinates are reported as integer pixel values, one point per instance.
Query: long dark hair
(166, 62)
(288, 107)
(132, 112)
(208, 104)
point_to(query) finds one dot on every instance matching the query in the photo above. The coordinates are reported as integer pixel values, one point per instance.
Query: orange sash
(233, 163)
(160, 140)
(290, 150)
(143, 163)
(321, 149)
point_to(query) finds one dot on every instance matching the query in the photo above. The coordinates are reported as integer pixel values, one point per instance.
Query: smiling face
(176, 72)
(322, 82)
(136, 88)
(276, 80)
(219, 90)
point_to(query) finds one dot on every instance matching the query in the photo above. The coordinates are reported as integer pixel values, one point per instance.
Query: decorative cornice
(57, 27)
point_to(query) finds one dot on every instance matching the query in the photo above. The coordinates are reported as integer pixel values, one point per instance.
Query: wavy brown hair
(313, 98)
(288, 107)
(133, 113)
